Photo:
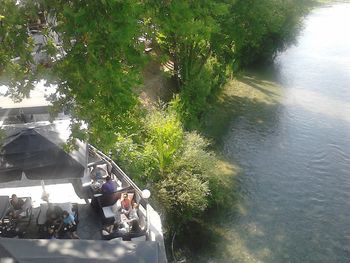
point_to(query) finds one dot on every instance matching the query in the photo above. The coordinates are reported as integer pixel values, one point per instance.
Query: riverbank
(252, 96)
(213, 238)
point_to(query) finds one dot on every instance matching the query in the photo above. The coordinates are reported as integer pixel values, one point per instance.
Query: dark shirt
(108, 187)
(54, 215)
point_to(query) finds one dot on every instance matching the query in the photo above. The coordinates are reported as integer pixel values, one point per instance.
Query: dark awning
(39, 154)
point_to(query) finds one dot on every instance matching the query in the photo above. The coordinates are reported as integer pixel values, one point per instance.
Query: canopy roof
(76, 251)
(37, 151)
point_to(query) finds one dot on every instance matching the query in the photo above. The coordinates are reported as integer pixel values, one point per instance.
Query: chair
(28, 210)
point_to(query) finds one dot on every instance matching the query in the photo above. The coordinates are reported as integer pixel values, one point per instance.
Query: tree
(186, 33)
(91, 53)
(16, 45)
(260, 29)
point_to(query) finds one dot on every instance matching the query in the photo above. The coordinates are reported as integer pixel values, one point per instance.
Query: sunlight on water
(318, 103)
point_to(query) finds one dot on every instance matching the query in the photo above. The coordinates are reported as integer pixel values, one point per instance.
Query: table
(4, 206)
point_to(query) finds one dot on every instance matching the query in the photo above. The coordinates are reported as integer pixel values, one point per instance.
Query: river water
(295, 182)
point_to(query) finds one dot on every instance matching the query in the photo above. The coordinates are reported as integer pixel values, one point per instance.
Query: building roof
(76, 251)
(38, 97)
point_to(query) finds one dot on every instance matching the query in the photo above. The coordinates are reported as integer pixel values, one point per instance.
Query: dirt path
(157, 85)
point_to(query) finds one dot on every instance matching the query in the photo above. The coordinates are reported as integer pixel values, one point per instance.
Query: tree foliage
(260, 29)
(16, 45)
(186, 32)
(176, 165)
(91, 53)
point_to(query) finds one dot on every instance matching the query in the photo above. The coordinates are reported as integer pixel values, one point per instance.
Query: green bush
(182, 196)
(176, 165)
(199, 91)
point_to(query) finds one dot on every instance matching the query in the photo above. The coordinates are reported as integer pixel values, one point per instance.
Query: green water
(294, 187)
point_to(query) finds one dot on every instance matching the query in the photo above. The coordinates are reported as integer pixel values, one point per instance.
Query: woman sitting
(125, 205)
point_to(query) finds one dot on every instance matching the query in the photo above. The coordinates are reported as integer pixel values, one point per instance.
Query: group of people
(60, 222)
(127, 219)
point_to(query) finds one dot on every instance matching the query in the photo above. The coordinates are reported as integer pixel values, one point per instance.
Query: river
(295, 180)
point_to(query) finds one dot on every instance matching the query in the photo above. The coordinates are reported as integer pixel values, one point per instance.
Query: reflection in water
(295, 184)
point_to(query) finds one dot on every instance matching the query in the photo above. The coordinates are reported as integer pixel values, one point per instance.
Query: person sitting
(125, 204)
(17, 207)
(97, 173)
(133, 213)
(114, 231)
(108, 187)
(122, 222)
(68, 225)
(133, 220)
(53, 221)
(125, 229)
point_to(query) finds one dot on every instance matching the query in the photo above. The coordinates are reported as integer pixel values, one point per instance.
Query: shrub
(176, 165)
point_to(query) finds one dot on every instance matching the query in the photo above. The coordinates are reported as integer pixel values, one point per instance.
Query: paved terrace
(60, 191)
